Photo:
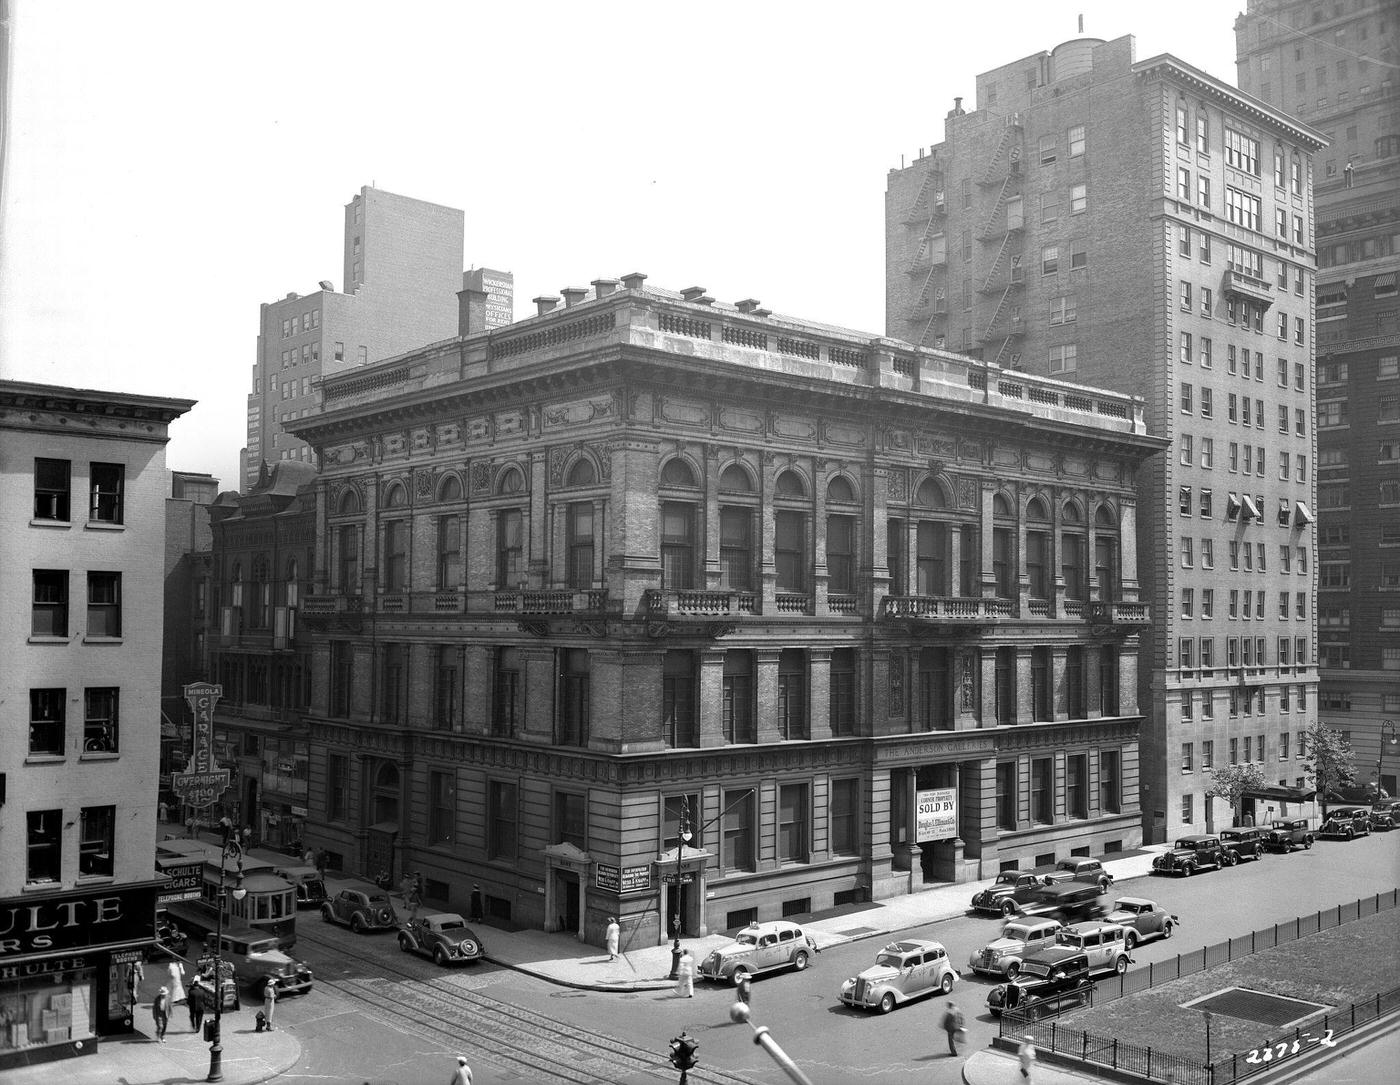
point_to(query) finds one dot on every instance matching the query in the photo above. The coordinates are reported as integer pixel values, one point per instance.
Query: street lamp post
(1388, 736)
(682, 839)
(231, 850)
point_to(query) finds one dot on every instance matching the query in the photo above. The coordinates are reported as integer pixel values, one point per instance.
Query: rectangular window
(47, 711)
(1187, 552)
(1006, 795)
(1206, 359)
(337, 786)
(570, 819)
(678, 545)
(1188, 808)
(843, 816)
(1049, 259)
(792, 694)
(449, 553)
(104, 612)
(501, 819)
(572, 722)
(842, 699)
(789, 551)
(735, 549)
(1242, 153)
(52, 489)
(1183, 183)
(1187, 748)
(107, 482)
(1037, 560)
(49, 617)
(348, 554)
(1076, 785)
(1078, 199)
(678, 702)
(1207, 602)
(738, 851)
(1076, 141)
(43, 846)
(793, 828)
(1207, 448)
(1187, 452)
(446, 689)
(1042, 711)
(1242, 208)
(442, 807)
(1207, 553)
(1006, 686)
(1110, 782)
(510, 570)
(341, 677)
(1043, 790)
(1047, 150)
(1064, 358)
(1203, 190)
(841, 554)
(396, 555)
(507, 693)
(579, 573)
(737, 697)
(393, 683)
(1183, 240)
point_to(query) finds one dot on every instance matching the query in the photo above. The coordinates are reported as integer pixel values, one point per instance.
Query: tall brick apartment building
(1338, 68)
(82, 490)
(1142, 226)
(646, 562)
(402, 271)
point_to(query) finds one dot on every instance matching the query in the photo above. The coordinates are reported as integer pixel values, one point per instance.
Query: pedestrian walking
(953, 1026)
(1026, 1053)
(198, 1002)
(744, 988)
(177, 982)
(160, 1013)
(269, 1002)
(611, 936)
(136, 972)
(685, 974)
(476, 916)
(463, 1074)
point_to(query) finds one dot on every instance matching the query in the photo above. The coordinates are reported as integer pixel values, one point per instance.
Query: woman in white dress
(177, 982)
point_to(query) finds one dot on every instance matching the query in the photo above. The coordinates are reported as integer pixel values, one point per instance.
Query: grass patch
(1336, 967)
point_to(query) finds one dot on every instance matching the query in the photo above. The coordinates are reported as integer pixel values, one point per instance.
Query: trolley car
(269, 905)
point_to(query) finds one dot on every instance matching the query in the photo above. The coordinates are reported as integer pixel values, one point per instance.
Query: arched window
(1074, 557)
(790, 484)
(735, 480)
(1001, 508)
(1038, 549)
(1004, 569)
(790, 535)
(839, 491)
(397, 497)
(450, 489)
(677, 473)
(1107, 570)
(511, 481)
(261, 616)
(293, 585)
(582, 473)
(931, 495)
(349, 501)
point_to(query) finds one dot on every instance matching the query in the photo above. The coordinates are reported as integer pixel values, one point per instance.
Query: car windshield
(452, 925)
(890, 960)
(1123, 906)
(1230, 834)
(745, 939)
(1007, 878)
(1281, 825)
(1073, 940)
(1035, 968)
(1187, 845)
(1013, 931)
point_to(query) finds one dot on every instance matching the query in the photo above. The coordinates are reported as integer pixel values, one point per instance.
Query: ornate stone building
(857, 616)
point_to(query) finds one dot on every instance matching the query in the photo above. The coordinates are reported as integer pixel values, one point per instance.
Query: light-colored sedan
(1143, 918)
(902, 971)
(1019, 938)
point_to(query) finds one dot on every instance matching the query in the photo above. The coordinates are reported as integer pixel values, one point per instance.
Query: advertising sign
(77, 921)
(936, 814)
(630, 879)
(203, 781)
(184, 881)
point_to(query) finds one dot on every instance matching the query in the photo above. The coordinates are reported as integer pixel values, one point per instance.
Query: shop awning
(1386, 280)
(1280, 794)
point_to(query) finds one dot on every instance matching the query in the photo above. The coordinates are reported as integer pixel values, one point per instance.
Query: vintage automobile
(1286, 834)
(170, 936)
(363, 909)
(902, 972)
(1340, 825)
(1142, 920)
(759, 948)
(1360, 817)
(443, 936)
(306, 882)
(256, 961)
(1243, 841)
(1019, 938)
(1385, 815)
(1193, 853)
(1105, 944)
(1069, 902)
(1078, 869)
(1057, 970)
(1006, 895)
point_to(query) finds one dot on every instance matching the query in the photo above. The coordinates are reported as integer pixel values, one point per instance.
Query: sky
(171, 165)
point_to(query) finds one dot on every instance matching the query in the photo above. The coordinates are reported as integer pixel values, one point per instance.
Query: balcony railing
(552, 601)
(685, 603)
(1117, 612)
(940, 608)
(333, 604)
(1247, 286)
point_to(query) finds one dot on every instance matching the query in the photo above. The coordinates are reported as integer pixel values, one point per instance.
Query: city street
(379, 1015)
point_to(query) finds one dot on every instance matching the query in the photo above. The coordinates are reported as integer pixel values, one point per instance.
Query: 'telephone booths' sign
(203, 781)
(936, 814)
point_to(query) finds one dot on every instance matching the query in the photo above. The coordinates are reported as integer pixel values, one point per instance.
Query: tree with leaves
(1330, 763)
(1230, 782)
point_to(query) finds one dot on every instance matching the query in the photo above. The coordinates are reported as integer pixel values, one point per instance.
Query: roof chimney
(603, 287)
(545, 303)
(573, 295)
(763, 312)
(693, 293)
(633, 281)
(471, 311)
(748, 305)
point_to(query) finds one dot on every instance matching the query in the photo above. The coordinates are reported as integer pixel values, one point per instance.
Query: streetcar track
(430, 1011)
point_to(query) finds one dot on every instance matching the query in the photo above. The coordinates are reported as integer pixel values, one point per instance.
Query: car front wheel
(439, 957)
(947, 984)
(799, 960)
(405, 943)
(1013, 970)
(1121, 965)
(1231, 858)
(887, 1002)
(740, 974)
(1187, 870)
(1307, 842)
(357, 924)
(1008, 907)
(1166, 930)
(1258, 852)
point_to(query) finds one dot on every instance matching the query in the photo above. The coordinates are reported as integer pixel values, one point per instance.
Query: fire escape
(928, 285)
(1001, 225)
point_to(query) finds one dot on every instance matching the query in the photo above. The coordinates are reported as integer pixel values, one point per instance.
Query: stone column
(1059, 682)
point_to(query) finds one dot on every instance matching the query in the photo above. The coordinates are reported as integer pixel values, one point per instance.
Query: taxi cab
(759, 947)
(902, 972)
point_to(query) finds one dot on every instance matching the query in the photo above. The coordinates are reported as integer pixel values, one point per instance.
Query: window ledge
(44, 639)
(52, 525)
(44, 759)
(100, 755)
(96, 879)
(41, 887)
(103, 525)
(102, 640)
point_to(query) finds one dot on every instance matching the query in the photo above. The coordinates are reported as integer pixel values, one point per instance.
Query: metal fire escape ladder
(988, 229)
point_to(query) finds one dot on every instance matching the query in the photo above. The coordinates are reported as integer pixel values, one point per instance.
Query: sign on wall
(936, 814)
(630, 879)
(203, 781)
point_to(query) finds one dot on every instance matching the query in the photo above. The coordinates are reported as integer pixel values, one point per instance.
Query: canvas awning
(1305, 515)
(1280, 793)
(1251, 508)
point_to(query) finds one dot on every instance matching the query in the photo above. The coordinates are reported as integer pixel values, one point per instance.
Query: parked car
(363, 909)
(443, 936)
(1340, 826)
(1019, 938)
(902, 972)
(1383, 819)
(170, 936)
(1069, 902)
(1243, 842)
(1142, 918)
(306, 881)
(759, 948)
(1105, 944)
(1285, 834)
(1057, 970)
(1360, 817)
(256, 961)
(1006, 895)
(1388, 806)
(1079, 869)
(1193, 853)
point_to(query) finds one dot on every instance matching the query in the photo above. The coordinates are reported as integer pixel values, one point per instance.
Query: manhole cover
(1267, 1009)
